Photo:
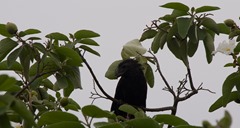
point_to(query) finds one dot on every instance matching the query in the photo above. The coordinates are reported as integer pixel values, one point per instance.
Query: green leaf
(170, 120)
(226, 121)
(210, 24)
(174, 47)
(5, 102)
(178, 13)
(192, 47)
(159, 41)
(69, 89)
(206, 9)
(20, 108)
(94, 111)
(230, 65)
(209, 47)
(86, 48)
(39, 47)
(15, 66)
(177, 6)
(53, 117)
(107, 125)
(47, 66)
(111, 72)
(85, 34)
(223, 28)
(143, 123)
(73, 75)
(88, 42)
(188, 126)
(6, 45)
(61, 81)
(66, 124)
(34, 38)
(148, 34)
(57, 36)
(128, 109)
(8, 83)
(5, 123)
(168, 18)
(13, 56)
(149, 76)
(229, 83)
(4, 32)
(29, 32)
(183, 26)
(25, 58)
(70, 55)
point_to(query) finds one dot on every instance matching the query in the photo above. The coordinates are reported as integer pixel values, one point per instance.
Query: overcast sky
(119, 22)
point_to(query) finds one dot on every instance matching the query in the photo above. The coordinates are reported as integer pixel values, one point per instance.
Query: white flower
(225, 47)
(133, 48)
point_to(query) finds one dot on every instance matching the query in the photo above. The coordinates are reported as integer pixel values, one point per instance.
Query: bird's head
(127, 66)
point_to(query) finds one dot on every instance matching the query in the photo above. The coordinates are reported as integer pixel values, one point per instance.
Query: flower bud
(229, 22)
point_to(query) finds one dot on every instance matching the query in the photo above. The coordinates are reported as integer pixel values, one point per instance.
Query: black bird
(131, 88)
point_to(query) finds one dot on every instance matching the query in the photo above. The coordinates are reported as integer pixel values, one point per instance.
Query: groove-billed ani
(131, 88)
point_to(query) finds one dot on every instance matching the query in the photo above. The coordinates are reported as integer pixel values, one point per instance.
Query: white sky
(119, 22)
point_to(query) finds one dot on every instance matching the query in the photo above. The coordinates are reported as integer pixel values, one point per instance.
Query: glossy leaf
(223, 28)
(73, 75)
(209, 47)
(88, 42)
(66, 124)
(13, 56)
(178, 13)
(53, 117)
(61, 81)
(128, 109)
(143, 123)
(69, 89)
(20, 108)
(70, 55)
(149, 76)
(5, 123)
(8, 83)
(177, 6)
(15, 66)
(170, 120)
(111, 72)
(206, 9)
(107, 125)
(86, 48)
(85, 34)
(226, 121)
(6, 45)
(210, 24)
(5, 103)
(148, 34)
(159, 41)
(229, 83)
(168, 18)
(192, 47)
(57, 36)
(29, 32)
(39, 47)
(3, 31)
(25, 58)
(183, 26)
(34, 38)
(174, 47)
(94, 111)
